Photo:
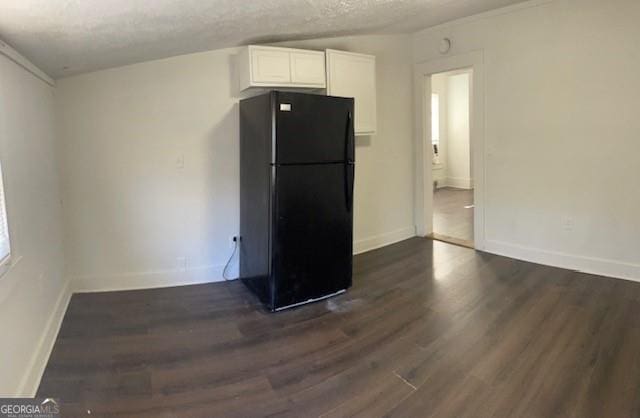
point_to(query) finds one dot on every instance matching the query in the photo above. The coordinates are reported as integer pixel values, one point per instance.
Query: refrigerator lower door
(313, 235)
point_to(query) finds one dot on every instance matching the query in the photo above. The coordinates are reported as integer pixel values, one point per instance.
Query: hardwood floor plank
(452, 216)
(428, 329)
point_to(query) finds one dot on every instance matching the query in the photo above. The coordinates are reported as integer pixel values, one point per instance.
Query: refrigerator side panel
(256, 133)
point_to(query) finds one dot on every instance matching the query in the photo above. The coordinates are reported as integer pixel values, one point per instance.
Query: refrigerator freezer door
(313, 233)
(313, 129)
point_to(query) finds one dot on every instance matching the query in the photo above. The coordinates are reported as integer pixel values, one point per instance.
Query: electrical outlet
(567, 223)
(180, 161)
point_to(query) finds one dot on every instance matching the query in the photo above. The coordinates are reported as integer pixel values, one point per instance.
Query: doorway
(452, 171)
(459, 215)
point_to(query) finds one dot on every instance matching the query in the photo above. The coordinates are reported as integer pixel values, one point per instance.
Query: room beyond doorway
(452, 170)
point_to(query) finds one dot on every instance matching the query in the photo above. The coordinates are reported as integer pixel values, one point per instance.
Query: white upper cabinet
(354, 75)
(266, 66)
(270, 65)
(307, 67)
(342, 73)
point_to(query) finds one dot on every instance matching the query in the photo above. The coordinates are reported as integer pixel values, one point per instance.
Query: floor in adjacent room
(453, 214)
(428, 330)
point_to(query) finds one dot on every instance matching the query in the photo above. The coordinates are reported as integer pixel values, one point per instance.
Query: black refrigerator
(296, 196)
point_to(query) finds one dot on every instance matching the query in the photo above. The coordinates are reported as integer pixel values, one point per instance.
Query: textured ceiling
(65, 37)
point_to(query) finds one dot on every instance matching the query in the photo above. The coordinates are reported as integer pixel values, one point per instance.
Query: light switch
(180, 161)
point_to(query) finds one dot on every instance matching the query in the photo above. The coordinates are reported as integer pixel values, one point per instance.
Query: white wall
(561, 129)
(457, 138)
(439, 87)
(33, 293)
(454, 167)
(130, 213)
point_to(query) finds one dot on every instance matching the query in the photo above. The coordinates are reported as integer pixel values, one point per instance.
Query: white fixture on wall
(445, 45)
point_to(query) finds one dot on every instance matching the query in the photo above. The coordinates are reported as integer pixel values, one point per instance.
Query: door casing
(423, 208)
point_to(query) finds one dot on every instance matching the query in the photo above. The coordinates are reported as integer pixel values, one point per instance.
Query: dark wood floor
(450, 216)
(428, 330)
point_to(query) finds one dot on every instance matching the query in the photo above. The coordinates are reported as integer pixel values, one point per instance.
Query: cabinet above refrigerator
(334, 72)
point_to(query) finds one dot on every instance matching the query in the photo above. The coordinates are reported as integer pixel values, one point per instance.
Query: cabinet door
(308, 68)
(269, 65)
(354, 75)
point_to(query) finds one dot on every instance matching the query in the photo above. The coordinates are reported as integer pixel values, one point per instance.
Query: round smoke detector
(445, 45)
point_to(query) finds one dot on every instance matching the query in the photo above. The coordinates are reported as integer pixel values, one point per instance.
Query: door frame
(424, 176)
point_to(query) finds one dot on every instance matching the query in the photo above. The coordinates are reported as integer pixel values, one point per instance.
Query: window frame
(6, 261)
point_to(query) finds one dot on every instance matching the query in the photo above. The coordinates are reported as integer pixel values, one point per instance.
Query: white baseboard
(151, 279)
(377, 241)
(459, 182)
(591, 265)
(31, 381)
(203, 274)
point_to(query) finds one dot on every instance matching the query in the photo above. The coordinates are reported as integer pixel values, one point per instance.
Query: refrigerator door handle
(349, 177)
(348, 142)
(349, 174)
